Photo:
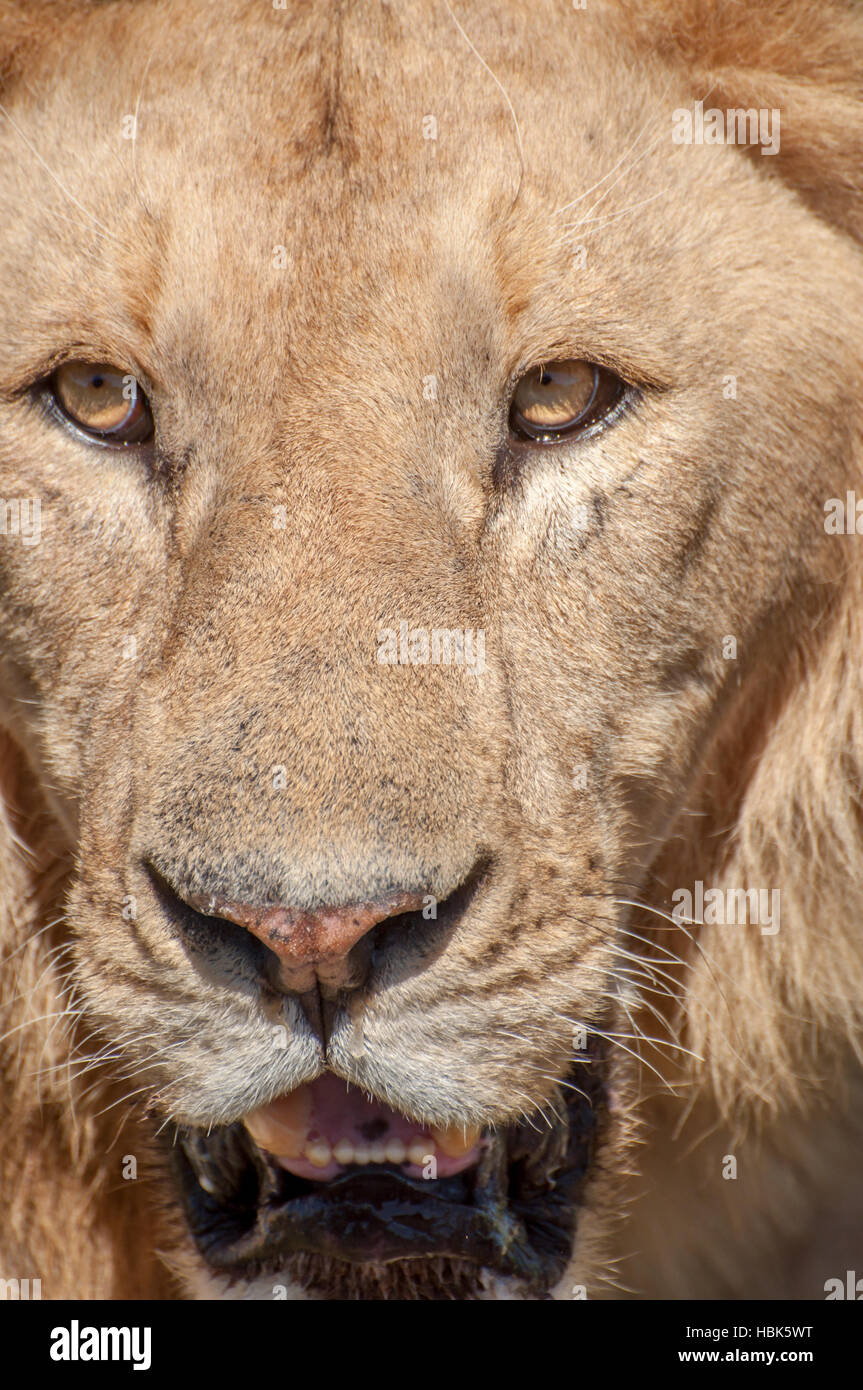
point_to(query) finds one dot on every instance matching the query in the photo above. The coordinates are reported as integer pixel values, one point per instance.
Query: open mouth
(342, 1194)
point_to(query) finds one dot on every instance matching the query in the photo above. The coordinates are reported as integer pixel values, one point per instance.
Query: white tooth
(344, 1151)
(362, 1153)
(419, 1151)
(377, 1153)
(396, 1151)
(319, 1154)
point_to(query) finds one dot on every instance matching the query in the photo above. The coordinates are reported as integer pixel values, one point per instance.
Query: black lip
(381, 1216)
(515, 1213)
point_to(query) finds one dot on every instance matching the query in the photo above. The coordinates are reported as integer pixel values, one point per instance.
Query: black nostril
(235, 953)
(426, 932)
(219, 948)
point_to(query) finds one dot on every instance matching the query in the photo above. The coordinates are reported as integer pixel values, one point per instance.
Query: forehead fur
(328, 130)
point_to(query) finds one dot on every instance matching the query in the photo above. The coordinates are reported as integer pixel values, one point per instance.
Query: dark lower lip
(382, 1216)
(515, 1213)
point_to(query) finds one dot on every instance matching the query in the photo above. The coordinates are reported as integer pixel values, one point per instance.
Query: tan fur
(302, 387)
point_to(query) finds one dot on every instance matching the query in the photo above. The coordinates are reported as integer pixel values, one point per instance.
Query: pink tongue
(326, 1126)
(340, 1111)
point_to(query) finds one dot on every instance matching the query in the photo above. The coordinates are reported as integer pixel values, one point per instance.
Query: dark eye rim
(610, 397)
(46, 394)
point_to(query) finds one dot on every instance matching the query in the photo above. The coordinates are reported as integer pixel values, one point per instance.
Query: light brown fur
(302, 387)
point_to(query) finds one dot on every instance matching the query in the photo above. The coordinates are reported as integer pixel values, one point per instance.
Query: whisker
(503, 92)
(103, 231)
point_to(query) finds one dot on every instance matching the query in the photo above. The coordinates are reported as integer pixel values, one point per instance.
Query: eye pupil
(103, 402)
(561, 399)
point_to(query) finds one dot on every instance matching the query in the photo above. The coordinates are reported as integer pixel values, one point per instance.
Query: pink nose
(303, 940)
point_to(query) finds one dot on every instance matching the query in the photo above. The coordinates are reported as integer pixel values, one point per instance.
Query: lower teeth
(320, 1154)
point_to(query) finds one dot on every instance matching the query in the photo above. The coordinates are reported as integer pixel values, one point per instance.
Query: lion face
(427, 487)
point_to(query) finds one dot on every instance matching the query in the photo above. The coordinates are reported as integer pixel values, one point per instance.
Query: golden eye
(103, 401)
(558, 399)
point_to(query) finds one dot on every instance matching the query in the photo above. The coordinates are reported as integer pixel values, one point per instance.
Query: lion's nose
(310, 945)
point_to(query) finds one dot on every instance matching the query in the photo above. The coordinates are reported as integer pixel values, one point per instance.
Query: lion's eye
(104, 402)
(560, 399)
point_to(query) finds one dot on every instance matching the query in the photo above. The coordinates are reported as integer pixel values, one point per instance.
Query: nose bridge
(318, 582)
(300, 751)
(328, 544)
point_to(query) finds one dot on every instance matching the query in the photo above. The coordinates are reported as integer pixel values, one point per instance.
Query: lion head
(429, 678)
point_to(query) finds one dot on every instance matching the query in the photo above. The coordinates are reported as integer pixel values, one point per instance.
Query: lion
(432, 644)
